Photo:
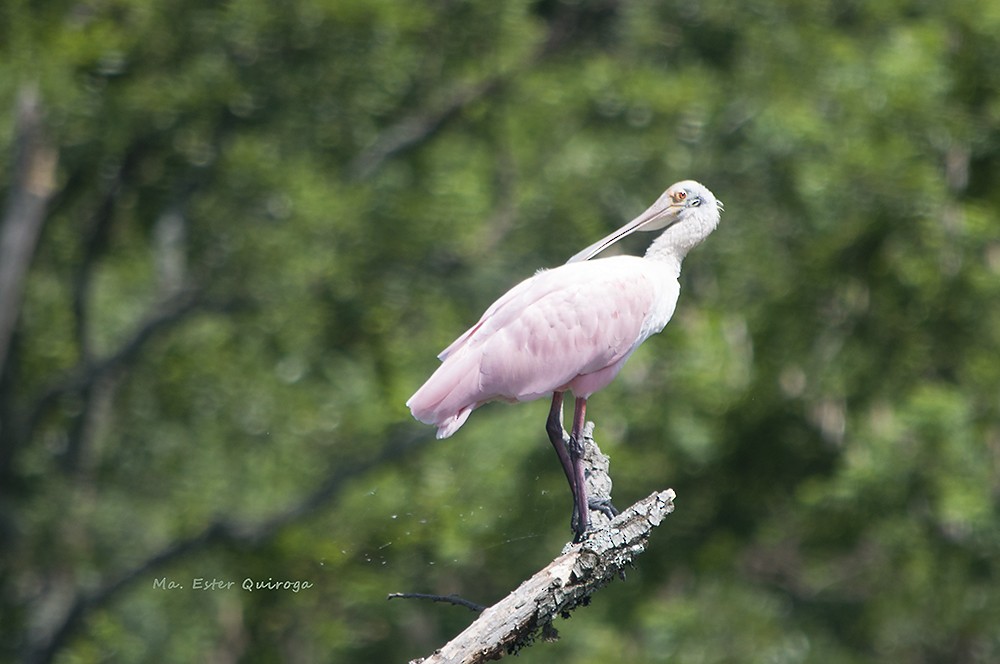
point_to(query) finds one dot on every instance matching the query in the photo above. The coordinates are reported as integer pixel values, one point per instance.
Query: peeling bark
(567, 582)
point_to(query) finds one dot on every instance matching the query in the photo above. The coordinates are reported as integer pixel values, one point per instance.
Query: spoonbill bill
(571, 328)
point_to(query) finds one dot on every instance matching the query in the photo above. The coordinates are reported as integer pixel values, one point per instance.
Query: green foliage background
(316, 196)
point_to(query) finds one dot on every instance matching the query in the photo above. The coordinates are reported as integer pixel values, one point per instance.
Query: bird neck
(664, 250)
(676, 241)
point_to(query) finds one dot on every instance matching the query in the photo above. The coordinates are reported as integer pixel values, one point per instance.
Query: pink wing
(567, 328)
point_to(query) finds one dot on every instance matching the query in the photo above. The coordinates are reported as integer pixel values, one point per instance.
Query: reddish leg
(579, 486)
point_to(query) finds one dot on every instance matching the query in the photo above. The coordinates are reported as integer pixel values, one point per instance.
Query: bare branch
(564, 584)
(447, 599)
(31, 188)
(568, 581)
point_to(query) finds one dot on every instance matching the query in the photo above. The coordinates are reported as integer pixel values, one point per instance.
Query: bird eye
(695, 203)
(678, 196)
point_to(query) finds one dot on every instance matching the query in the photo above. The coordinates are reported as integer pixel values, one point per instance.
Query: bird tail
(449, 396)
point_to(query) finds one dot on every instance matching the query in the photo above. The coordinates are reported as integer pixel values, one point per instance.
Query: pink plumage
(570, 328)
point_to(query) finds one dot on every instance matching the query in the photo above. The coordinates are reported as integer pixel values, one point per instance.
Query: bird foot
(604, 506)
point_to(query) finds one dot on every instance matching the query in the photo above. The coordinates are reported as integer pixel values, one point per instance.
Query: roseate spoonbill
(571, 328)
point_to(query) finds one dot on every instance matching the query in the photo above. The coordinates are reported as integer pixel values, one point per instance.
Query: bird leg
(558, 438)
(570, 450)
(579, 485)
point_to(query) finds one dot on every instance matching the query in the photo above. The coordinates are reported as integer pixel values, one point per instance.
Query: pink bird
(571, 328)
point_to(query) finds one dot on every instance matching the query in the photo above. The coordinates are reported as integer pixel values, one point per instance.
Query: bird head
(686, 201)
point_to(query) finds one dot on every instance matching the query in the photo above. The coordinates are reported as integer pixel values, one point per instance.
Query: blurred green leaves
(339, 188)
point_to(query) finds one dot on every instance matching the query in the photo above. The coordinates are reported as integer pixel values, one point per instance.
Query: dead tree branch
(564, 584)
(568, 581)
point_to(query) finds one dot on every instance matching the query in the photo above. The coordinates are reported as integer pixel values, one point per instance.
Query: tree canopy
(235, 235)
